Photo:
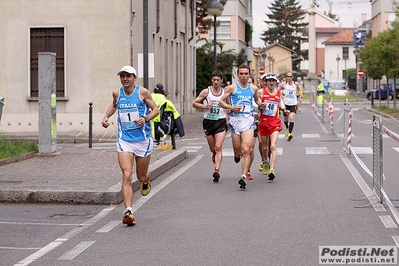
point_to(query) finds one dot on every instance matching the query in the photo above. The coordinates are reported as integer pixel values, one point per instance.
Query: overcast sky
(348, 14)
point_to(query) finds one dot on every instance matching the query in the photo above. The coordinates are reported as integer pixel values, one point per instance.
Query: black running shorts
(211, 127)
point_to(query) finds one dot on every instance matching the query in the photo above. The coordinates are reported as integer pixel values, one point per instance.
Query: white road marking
(396, 149)
(362, 150)
(308, 136)
(388, 221)
(317, 150)
(15, 248)
(363, 185)
(137, 204)
(70, 255)
(38, 254)
(55, 224)
(396, 239)
(44, 250)
(106, 228)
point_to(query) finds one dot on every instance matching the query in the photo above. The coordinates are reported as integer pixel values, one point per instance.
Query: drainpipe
(132, 15)
(158, 16)
(192, 20)
(145, 43)
(175, 19)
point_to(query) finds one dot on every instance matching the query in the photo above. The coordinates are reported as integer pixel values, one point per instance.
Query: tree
(203, 22)
(285, 26)
(226, 60)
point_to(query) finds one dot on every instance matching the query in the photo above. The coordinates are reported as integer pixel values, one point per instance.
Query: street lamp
(263, 57)
(356, 52)
(271, 59)
(273, 64)
(216, 9)
(337, 65)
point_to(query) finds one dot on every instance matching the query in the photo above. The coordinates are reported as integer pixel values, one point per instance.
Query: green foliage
(248, 33)
(380, 54)
(285, 26)
(387, 110)
(334, 17)
(351, 73)
(10, 149)
(226, 60)
(203, 22)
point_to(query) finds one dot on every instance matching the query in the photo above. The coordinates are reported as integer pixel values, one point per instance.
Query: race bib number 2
(214, 113)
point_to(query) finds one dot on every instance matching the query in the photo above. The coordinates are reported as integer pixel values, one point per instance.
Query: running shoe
(237, 159)
(145, 188)
(242, 182)
(271, 174)
(249, 176)
(128, 218)
(213, 157)
(287, 132)
(290, 136)
(265, 169)
(216, 176)
(261, 167)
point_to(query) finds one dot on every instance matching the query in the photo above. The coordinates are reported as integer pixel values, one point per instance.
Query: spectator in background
(159, 97)
(320, 92)
(299, 92)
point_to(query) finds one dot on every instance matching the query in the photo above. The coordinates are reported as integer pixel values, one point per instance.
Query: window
(47, 40)
(345, 53)
(223, 30)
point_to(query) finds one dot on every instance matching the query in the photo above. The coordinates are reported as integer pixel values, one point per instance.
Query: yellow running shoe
(145, 188)
(287, 132)
(271, 174)
(265, 169)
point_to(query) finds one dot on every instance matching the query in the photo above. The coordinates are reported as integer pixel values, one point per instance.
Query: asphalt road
(189, 220)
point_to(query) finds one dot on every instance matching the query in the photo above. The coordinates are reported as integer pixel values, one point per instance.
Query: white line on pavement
(70, 255)
(164, 183)
(44, 250)
(108, 227)
(388, 221)
(362, 184)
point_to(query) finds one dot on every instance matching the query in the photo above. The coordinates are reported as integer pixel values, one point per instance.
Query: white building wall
(98, 42)
(331, 65)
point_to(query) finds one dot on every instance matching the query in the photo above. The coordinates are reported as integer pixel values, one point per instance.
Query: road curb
(110, 196)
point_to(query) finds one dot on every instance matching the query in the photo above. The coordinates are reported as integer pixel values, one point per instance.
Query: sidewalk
(79, 174)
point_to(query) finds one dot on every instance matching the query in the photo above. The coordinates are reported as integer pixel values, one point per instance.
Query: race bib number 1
(127, 117)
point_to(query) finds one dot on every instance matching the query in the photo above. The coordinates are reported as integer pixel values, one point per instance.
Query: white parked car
(338, 87)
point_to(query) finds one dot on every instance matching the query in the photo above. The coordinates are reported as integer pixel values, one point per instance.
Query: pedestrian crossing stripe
(362, 150)
(308, 136)
(308, 150)
(317, 150)
(342, 135)
(384, 136)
